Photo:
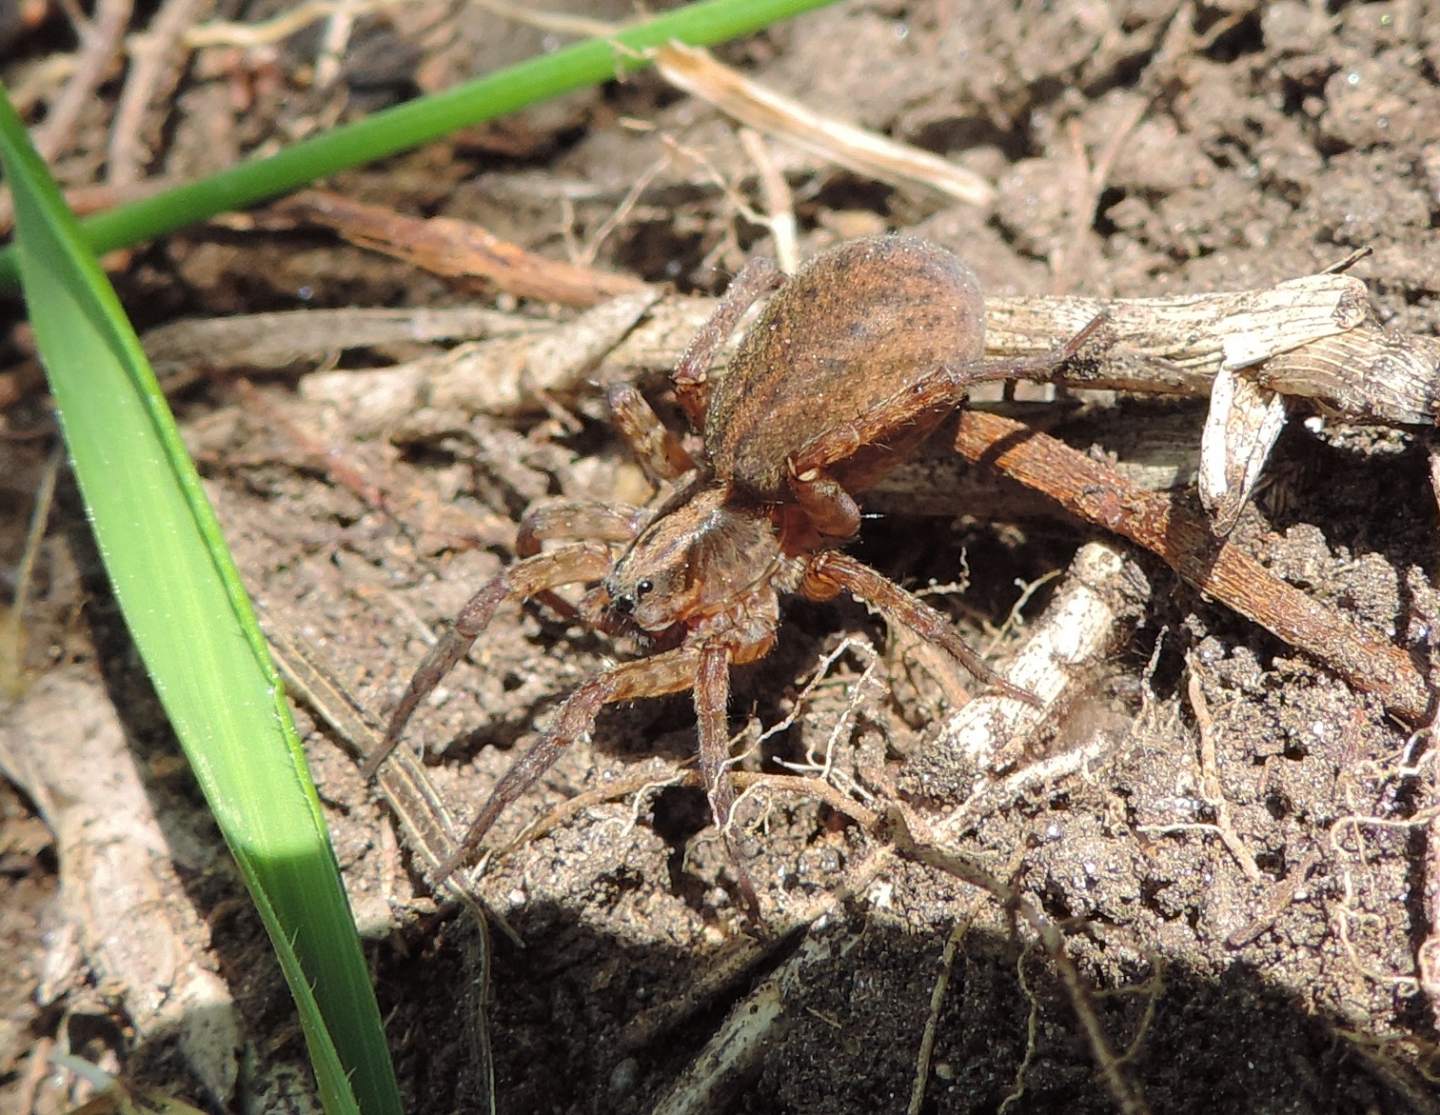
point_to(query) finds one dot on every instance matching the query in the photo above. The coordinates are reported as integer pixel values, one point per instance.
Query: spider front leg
(578, 519)
(655, 447)
(831, 509)
(670, 672)
(570, 519)
(691, 377)
(582, 562)
(830, 572)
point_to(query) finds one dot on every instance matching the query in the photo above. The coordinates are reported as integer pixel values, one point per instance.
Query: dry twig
(1183, 540)
(180, 350)
(157, 57)
(280, 27)
(698, 73)
(1212, 789)
(458, 249)
(121, 891)
(101, 43)
(779, 202)
(1102, 595)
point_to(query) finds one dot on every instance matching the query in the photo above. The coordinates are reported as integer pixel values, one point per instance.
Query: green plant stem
(418, 122)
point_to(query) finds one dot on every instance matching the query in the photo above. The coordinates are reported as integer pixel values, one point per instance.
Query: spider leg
(829, 572)
(756, 279)
(669, 672)
(712, 697)
(830, 507)
(586, 561)
(578, 519)
(657, 450)
(571, 519)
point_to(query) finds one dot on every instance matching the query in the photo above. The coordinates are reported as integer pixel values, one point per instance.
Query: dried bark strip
(1183, 540)
(1194, 332)
(458, 249)
(1368, 374)
(279, 338)
(1243, 424)
(144, 939)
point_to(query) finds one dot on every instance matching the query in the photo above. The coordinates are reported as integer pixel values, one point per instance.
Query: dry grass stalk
(865, 152)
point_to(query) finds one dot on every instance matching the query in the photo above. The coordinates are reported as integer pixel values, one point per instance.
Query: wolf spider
(849, 367)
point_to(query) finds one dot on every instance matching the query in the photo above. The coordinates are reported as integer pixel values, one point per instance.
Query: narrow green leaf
(192, 622)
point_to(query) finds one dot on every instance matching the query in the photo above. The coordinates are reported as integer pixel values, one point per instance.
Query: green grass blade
(417, 122)
(191, 620)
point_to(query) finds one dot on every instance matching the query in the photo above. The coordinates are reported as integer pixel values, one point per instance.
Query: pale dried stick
(269, 31)
(953, 942)
(1103, 593)
(121, 891)
(502, 375)
(779, 202)
(101, 43)
(331, 53)
(1310, 338)
(865, 152)
(1210, 774)
(698, 73)
(279, 338)
(1211, 789)
(739, 1041)
(157, 57)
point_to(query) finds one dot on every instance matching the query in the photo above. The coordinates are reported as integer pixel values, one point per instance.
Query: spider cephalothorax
(693, 562)
(852, 362)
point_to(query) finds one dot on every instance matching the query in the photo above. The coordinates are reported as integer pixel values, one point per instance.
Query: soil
(1257, 142)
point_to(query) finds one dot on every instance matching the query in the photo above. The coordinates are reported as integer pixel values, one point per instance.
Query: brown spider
(848, 368)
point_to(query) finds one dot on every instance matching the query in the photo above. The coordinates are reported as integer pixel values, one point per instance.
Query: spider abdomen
(853, 328)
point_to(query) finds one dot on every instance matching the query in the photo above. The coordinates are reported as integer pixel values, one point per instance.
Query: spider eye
(644, 587)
